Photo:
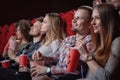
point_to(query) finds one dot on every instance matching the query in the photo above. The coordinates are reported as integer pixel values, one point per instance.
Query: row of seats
(7, 31)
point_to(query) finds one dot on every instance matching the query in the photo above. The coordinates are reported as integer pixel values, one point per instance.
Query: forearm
(93, 66)
(11, 54)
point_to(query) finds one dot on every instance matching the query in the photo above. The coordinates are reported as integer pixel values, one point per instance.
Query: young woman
(54, 28)
(104, 61)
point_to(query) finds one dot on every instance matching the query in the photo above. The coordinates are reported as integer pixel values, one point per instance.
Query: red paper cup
(73, 60)
(5, 63)
(13, 44)
(23, 60)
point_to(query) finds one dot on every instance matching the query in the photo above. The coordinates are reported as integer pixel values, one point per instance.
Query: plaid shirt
(60, 68)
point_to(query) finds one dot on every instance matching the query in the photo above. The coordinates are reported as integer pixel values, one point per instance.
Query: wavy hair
(109, 30)
(56, 30)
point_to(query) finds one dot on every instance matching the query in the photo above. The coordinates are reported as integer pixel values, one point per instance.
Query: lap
(10, 74)
(42, 77)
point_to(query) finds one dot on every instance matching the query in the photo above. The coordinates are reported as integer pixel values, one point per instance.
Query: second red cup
(73, 60)
(23, 60)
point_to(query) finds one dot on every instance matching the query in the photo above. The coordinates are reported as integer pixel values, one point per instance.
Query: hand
(11, 54)
(37, 70)
(12, 38)
(37, 56)
(81, 46)
(23, 69)
(4, 54)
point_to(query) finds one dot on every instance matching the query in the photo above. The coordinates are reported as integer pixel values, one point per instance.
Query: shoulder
(116, 46)
(116, 39)
(56, 42)
(116, 42)
(70, 38)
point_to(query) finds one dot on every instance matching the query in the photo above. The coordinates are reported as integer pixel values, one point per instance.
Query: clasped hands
(37, 70)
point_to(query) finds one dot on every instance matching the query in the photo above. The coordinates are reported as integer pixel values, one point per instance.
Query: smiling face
(80, 21)
(96, 22)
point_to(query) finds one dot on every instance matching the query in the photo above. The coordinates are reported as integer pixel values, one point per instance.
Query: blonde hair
(56, 30)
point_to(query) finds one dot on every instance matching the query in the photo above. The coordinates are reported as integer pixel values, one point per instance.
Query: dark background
(13, 10)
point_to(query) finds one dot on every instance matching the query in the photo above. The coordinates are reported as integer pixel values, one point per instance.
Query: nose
(74, 20)
(93, 22)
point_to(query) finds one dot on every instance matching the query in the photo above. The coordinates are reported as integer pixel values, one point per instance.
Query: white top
(51, 49)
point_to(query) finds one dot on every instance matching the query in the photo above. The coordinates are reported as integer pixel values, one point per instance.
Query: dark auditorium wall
(13, 10)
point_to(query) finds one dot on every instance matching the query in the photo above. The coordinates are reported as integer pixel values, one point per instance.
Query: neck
(80, 36)
(36, 39)
(24, 41)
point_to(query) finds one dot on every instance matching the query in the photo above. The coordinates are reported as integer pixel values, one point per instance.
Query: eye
(97, 17)
(91, 18)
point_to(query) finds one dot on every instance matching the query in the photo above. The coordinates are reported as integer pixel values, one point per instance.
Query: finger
(34, 73)
(39, 55)
(33, 67)
(35, 56)
(82, 41)
(32, 70)
(78, 43)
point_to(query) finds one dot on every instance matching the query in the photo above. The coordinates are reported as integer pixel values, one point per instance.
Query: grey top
(50, 50)
(111, 70)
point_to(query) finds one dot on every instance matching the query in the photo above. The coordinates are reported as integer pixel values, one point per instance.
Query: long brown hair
(56, 30)
(109, 30)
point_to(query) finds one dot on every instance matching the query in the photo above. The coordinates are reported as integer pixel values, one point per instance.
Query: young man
(81, 25)
(29, 49)
(37, 37)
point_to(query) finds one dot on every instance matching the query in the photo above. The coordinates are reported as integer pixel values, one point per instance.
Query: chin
(96, 31)
(74, 29)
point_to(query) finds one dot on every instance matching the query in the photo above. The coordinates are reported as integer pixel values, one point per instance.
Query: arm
(4, 54)
(48, 53)
(54, 55)
(112, 63)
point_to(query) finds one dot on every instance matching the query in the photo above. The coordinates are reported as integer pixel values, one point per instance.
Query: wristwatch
(89, 58)
(48, 70)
